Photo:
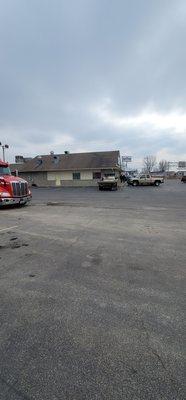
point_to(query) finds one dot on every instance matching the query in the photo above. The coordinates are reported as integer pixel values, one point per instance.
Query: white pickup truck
(145, 180)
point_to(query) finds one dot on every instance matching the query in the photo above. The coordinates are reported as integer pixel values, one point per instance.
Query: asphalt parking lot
(92, 295)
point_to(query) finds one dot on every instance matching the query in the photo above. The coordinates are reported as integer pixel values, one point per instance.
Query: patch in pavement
(13, 243)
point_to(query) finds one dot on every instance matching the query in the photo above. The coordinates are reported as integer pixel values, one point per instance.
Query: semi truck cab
(13, 189)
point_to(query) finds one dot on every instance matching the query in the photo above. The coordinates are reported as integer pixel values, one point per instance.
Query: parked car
(145, 180)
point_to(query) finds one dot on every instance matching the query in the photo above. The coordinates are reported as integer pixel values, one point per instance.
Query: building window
(76, 175)
(96, 175)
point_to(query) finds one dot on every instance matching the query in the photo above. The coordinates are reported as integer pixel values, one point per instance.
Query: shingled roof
(71, 162)
(16, 166)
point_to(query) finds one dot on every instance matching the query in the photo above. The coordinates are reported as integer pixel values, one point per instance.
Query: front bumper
(8, 201)
(108, 186)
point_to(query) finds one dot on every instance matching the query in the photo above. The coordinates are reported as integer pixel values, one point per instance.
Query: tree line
(150, 163)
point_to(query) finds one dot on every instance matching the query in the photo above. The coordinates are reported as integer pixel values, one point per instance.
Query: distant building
(78, 169)
(176, 168)
(21, 159)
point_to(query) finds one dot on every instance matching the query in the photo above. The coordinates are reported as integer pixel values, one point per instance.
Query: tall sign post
(126, 160)
(4, 146)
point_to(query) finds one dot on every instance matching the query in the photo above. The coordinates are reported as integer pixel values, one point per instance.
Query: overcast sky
(87, 75)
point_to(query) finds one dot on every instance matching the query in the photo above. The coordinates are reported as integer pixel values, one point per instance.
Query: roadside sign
(126, 159)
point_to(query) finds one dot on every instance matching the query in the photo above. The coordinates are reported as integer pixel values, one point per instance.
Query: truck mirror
(15, 173)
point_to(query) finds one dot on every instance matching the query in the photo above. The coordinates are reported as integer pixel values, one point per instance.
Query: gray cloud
(59, 60)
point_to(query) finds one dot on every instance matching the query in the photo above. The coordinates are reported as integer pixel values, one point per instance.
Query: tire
(22, 205)
(157, 183)
(135, 183)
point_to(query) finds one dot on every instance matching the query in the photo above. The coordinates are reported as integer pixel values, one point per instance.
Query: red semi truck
(13, 190)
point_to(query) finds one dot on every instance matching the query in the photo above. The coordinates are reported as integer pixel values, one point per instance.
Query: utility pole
(4, 146)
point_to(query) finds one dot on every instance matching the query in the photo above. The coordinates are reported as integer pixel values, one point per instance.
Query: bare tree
(149, 163)
(163, 166)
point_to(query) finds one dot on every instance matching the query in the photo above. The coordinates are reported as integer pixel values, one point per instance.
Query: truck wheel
(135, 183)
(157, 183)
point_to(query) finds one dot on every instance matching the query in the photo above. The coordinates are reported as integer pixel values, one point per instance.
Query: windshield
(5, 171)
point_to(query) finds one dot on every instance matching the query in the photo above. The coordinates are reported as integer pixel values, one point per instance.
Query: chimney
(19, 159)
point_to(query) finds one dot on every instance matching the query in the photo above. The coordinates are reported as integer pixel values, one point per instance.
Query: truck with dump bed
(13, 189)
(108, 183)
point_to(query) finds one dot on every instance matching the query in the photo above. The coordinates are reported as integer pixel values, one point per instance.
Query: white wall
(67, 176)
(54, 176)
(86, 175)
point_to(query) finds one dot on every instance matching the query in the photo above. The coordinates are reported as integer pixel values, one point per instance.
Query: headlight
(5, 194)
